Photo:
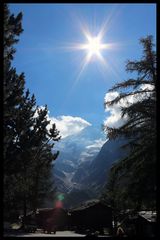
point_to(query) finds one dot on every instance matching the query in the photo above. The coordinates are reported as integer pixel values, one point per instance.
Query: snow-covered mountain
(97, 172)
(79, 148)
(84, 163)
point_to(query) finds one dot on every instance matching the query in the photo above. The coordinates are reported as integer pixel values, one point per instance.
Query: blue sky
(52, 71)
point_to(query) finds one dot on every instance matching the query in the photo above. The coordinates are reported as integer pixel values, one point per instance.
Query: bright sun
(94, 46)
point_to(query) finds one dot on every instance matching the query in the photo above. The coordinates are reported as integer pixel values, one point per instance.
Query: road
(40, 234)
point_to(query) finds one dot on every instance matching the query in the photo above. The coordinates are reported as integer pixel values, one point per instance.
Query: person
(120, 231)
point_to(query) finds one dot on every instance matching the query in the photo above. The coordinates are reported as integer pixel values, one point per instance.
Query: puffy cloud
(110, 96)
(69, 125)
(97, 144)
(92, 150)
(115, 119)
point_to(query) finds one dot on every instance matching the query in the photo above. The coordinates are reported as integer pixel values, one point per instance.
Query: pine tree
(13, 83)
(28, 136)
(34, 153)
(13, 90)
(42, 157)
(136, 172)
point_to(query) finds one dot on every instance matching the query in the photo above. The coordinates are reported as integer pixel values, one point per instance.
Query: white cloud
(110, 96)
(97, 144)
(91, 150)
(69, 125)
(115, 120)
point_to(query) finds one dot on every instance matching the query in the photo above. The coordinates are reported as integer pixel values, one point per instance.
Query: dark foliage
(28, 139)
(132, 181)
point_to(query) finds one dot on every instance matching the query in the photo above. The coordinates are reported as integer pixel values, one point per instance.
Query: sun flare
(94, 46)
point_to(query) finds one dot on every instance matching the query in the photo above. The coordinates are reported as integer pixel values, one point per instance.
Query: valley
(82, 169)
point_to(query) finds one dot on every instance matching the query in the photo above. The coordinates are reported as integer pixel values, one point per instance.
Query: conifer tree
(13, 90)
(136, 173)
(28, 135)
(13, 83)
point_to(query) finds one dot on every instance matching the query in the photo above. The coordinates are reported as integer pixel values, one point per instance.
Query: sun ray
(84, 64)
(94, 45)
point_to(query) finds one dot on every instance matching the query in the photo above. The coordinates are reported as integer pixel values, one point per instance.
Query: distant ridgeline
(90, 177)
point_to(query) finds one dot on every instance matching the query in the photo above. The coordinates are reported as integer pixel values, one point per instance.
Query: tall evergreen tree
(13, 83)
(13, 89)
(28, 136)
(136, 173)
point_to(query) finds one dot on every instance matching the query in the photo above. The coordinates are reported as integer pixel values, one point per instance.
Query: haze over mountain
(78, 148)
(83, 164)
